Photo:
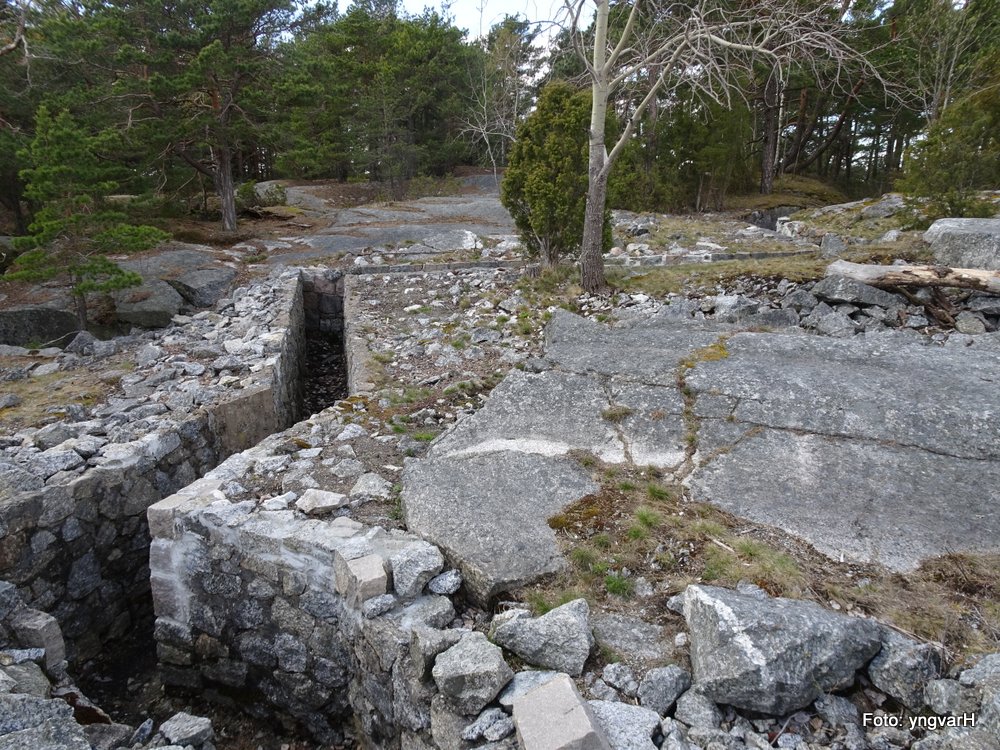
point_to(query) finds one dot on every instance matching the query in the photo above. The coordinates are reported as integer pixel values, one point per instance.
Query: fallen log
(920, 276)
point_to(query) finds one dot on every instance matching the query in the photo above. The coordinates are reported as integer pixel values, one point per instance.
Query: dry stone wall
(73, 534)
(311, 619)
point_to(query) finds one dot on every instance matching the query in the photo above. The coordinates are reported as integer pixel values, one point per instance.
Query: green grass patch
(659, 492)
(648, 517)
(617, 585)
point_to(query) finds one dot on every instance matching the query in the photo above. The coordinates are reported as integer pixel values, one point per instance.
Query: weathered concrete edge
(358, 358)
(120, 491)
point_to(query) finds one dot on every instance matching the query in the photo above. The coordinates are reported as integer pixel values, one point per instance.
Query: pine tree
(74, 227)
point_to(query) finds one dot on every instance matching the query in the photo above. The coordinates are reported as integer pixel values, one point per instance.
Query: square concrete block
(361, 578)
(36, 629)
(553, 716)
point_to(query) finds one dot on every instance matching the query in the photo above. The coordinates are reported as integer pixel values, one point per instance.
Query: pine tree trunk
(770, 150)
(81, 310)
(224, 186)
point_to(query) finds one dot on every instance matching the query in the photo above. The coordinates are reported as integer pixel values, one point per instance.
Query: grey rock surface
(524, 682)
(20, 326)
(660, 687)
(772, 656)
(185, 729)
(560, 639)
(47, 735)
(646, 352)
(904, 667)
(549, 414)
(984, 676)
(488, 514)
(413, 567)
(484, 723)
(471, 673)
(621, 677)
(446, 583)
(631, 637)
(555, 717)
(965, 243)
(203, 287)
(426, 643)
(150, 305)
(697, 710)
(627, 727)
(842, 289)
(949, 697)
(847, 444)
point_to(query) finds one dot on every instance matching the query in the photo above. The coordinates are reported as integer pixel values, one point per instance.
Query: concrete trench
(79, 549)
(261, 610)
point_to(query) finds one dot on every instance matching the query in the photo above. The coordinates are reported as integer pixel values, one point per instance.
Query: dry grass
(789, 190)
(677, 279)
(643, 525)
(44, 396)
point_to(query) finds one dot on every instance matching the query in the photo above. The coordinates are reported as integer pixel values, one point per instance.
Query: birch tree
(707, 45)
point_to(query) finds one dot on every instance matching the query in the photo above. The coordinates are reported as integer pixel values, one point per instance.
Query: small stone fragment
(471, 673)
(661, 687)
(184, 729)
(446, 584)
(319, 502)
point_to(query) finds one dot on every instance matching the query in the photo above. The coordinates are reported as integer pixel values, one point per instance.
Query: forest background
(183, 102)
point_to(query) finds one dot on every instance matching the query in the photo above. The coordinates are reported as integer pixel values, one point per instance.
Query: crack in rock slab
(856, 499)
(488, 513)
(941, 400)
(644, 353)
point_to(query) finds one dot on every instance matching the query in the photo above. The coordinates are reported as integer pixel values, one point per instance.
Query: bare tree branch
(18, 38)
(708, 46)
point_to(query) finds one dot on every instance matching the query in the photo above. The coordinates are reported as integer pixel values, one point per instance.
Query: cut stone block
(360, 578)
(554, 716)
(36, 629)
(317, 502)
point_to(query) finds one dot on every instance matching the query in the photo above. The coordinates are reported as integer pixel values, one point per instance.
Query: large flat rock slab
(488, 513)
(856, 499)
(642, 353)
(871, 449)
(418, 229)
(549, 414)
(553, 413)
(943, 400)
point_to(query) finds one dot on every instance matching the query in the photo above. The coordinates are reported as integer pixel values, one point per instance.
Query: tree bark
(591, 253)
(223, 178)
(80, 301)
(591, 257)
(919, 276)
(833, 135)
(769, 153)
